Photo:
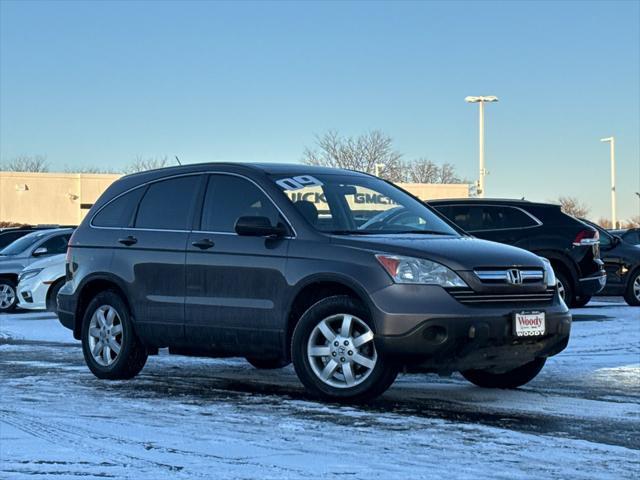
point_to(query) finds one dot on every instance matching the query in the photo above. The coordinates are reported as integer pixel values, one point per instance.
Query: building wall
(65, 198)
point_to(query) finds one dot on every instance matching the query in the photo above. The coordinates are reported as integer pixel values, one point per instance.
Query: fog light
(435, 334)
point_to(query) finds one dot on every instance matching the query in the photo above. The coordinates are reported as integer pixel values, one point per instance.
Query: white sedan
(38, 284)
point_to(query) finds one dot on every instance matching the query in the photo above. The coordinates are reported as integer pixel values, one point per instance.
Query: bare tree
(421, 170)
(574, 207)
(604, 222)
(141, 164)
(633, 222)
(89, 169)
(448, 174)
(26, 163)
(371, 152)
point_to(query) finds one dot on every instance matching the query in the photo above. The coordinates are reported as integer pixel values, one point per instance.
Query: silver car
(15, 257)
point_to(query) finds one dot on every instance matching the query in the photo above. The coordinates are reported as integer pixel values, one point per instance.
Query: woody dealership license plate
(529, 324)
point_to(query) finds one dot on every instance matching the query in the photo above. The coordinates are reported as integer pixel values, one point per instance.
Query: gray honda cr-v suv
(280, 263)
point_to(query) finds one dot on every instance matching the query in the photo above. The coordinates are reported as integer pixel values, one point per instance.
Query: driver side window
(228, 198)
(56, 245)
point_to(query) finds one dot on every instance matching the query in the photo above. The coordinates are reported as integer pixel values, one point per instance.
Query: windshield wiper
(421, 232)
(355, 232)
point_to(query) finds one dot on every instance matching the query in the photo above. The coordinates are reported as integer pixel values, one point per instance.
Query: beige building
(65, 198)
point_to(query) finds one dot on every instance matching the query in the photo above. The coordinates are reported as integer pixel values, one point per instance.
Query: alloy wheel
(105, 335)
(7, 296)
(561, 290)
(636, 287)
(341, 351)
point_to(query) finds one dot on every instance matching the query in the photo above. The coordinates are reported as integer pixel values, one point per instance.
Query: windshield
(353, 204)
(22, 244)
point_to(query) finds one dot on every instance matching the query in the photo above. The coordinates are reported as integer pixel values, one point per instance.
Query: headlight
(29, 274)
(420, 271)
(549, 274)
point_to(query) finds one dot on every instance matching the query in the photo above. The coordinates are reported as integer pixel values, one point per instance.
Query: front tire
(581, 301)
(110, 346)
(512, 379)
(334, 354)
(632, 294)
(52, 296)
(8, 295)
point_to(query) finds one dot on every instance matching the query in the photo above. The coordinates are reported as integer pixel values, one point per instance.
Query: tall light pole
(481, 100)
(612, 147)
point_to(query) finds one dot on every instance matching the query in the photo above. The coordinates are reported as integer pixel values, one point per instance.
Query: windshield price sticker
(298, 182)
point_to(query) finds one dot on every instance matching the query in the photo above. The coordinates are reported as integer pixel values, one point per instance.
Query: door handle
(128, 241)
(203, 244)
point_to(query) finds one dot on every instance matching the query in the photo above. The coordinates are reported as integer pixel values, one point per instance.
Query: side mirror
(258, 227)
(40, 251)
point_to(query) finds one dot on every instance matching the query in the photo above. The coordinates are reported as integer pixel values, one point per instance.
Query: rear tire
(110, 346)
(334, 353)
(8, 295)
(52, 296)
(565, 288)
(581, 301)
(632, 294)
(512, 379)
(267, 363)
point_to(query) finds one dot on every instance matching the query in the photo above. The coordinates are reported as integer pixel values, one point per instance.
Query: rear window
(167, 204)
(119, 213)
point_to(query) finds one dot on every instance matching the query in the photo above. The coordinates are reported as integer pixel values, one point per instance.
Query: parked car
(630, 235)
(23, 252)
(622, 264)
(11, 234)
(267, 262)
(571, 246)
(39, 283)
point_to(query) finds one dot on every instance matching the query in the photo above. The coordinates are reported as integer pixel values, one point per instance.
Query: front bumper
(32, 294)
(438, 333)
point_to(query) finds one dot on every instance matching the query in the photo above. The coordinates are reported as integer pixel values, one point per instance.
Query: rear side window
(119, 213)
(57, 244)
(229, 198)
(476, 218)
(167, 205)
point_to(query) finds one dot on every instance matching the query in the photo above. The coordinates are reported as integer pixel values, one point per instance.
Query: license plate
(529, 324)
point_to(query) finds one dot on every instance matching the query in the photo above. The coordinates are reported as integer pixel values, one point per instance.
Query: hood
(457, 253)
(51, 261)
(12, 264)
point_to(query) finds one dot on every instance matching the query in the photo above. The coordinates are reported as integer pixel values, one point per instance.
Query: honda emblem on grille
(514, 277)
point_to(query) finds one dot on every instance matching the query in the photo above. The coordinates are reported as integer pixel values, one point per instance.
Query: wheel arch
(313, 289)
(90, 287)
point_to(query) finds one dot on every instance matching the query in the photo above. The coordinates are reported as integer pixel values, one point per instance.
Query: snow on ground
(202, 418)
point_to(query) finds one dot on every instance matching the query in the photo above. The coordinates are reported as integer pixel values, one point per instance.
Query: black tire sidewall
(12, 285)
(569, 294)
(379, 379)
(512, 379)
(52, 301)
(130, 349)
(629, 297)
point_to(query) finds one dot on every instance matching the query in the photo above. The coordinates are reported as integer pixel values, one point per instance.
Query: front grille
(469, 296)
(525, 276)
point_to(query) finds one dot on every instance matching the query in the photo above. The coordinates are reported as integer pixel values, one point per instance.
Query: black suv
(275, 263)
(571, 246)
(622, 263)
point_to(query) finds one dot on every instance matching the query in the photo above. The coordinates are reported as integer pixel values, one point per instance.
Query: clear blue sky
(88, 83)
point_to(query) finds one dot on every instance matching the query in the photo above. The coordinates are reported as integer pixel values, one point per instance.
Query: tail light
(587, 237)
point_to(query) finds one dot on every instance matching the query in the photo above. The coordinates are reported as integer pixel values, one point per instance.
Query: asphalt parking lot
(202, 418)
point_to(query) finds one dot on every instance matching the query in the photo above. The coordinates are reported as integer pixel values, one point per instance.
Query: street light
(481, 100)
(638, 194)
(612, 149)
